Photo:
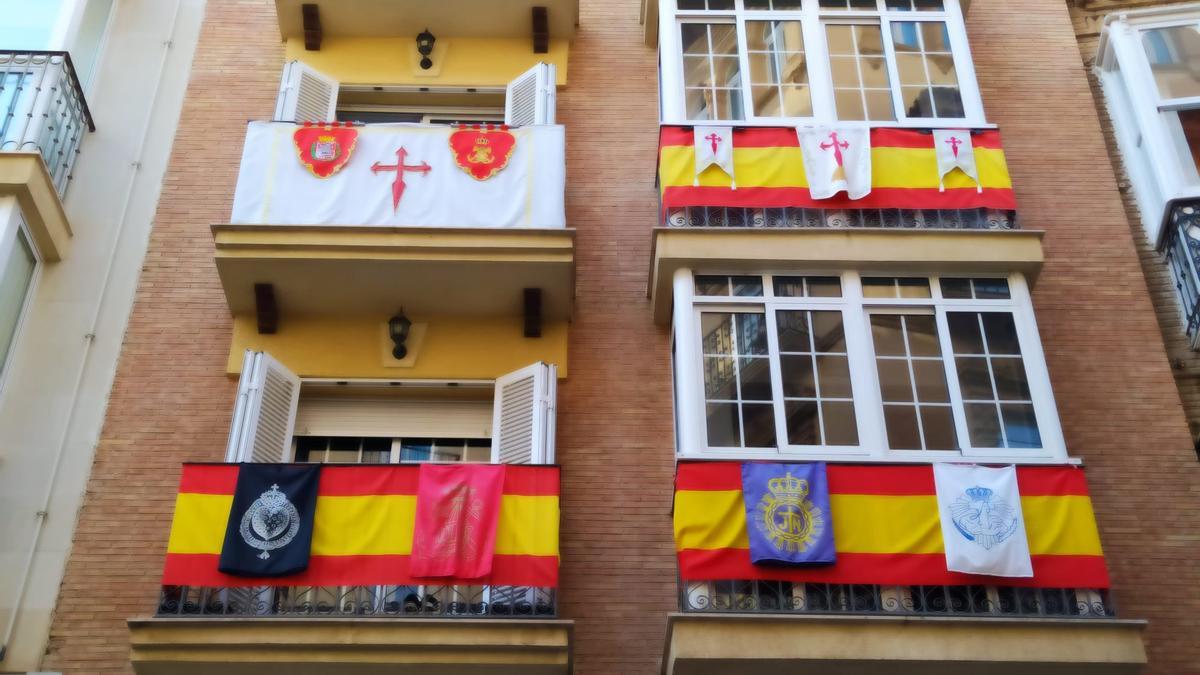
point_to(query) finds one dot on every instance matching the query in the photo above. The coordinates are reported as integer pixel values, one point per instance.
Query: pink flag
(457, 509)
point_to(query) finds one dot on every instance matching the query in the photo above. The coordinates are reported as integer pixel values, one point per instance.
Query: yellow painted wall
(458, 62)
(453, 347)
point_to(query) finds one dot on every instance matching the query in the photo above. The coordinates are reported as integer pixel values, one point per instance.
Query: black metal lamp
(425, 47)
(398, 327)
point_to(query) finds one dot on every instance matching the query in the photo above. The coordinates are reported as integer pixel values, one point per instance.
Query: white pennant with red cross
(954, 151)
(714, 146)
(836, 159)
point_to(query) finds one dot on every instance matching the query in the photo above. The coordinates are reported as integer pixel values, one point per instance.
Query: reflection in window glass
(1174, 54)
(808, 287)
(991, 377)
(912, 382)
(818, 404)
(848, 4)
(737, 380)
(925, 67)
(778, 70)
(902, 287)
(774, 4)
(725, 286)
(711, 74)
(862, 88)
(979, 289)
(915, 5)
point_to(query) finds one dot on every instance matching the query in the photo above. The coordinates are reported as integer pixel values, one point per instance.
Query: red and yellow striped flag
(770, 173)
(363, 528)
(886, 528)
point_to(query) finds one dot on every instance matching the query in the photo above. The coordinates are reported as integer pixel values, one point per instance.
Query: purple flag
(787, 513)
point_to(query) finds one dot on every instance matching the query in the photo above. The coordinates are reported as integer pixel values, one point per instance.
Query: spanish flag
(886, 528)
(363, 528)
(770, 173)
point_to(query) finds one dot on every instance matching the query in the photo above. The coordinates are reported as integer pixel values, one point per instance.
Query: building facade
(592, 241)
(90, 94)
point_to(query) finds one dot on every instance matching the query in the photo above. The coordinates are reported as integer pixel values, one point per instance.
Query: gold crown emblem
(326, 139)
(482, 141)
(788, 486)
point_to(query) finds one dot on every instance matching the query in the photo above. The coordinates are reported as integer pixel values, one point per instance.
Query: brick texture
(1115, 390)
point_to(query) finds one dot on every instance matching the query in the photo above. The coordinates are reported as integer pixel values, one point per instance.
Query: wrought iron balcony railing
(959, 219)
(776, 597)
(465, 602)
(42, 109)
(1181, 251)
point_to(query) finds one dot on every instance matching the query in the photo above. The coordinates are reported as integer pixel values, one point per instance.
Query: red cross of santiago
(954, 143)
(838, 147)
(400, 167)
(714, 139)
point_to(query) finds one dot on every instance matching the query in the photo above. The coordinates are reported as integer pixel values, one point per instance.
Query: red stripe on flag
(200, 569)
(208, 479)
(1041, 481)
(785, 137)
(892, 569)
(372, 479)
(799, 197)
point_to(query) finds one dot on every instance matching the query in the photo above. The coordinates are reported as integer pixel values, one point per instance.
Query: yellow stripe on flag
(368, 524)
(716, 519)
(783, 167)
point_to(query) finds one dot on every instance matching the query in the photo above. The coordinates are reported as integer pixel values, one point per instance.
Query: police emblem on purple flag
(787, 513)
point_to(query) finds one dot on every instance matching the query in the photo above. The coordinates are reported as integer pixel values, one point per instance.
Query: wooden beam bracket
(266, 309)
(541, 30)
(533, 312)
(312, 27)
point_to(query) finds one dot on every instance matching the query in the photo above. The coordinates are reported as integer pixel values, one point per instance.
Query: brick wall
(171, 400)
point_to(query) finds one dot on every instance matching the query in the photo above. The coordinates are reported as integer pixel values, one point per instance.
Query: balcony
(43, 117)
(888, 602)
(356, 605)
(1181, 251)
(472, 217)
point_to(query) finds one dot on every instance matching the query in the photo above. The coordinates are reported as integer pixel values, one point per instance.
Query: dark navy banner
(787, 513)
(269, 533)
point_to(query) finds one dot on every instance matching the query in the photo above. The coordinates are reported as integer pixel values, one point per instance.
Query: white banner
(274, 187)
(954, 150)
(983, 529)
(714, 145)
(835, 160)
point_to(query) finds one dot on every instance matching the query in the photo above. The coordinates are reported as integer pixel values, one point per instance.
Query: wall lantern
(398, 330)
(425, 47)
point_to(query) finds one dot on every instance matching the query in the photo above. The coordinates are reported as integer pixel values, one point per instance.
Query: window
(19, 259)
(377, 450)
(879, 61)
(874, 366)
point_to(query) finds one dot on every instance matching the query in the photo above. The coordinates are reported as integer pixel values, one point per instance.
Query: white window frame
(813, 20)
(689, 385)
(1157, 160)
(8, 240)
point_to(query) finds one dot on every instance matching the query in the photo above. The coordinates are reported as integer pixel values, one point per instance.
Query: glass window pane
(727, 104)
(914, 287)
(1174, 55)
(726, 72)
(767, 101)
(824, 287)
(931, 381)
(723, 38)
(841, 425)
(803, 426)
(694, 37)
(937, 423)
(983, 425)
(747, 287)
(1011, 384)
(956, 289)
(793, 331)
(1001, 333)
(724, 430)
(716, 330)
(879, 287)
(760, 425)
(789, 287)
(862, 88)
(941, 70)
(755, 376)
(797, 373)
(874, 72)
(922, 335)
(911, 68)
(964, 332)
(850, 105)
(1020, 426)
(992, 289)
(719, 378)
(310, 449)
(948, 102)
(828, 333)
(888, 334)
(712, 286)
(833, 374)
(752, 334)
(902, 431)
(974, 381)
(416, 450)
(917, 101)
(14, 287)
(894, 383)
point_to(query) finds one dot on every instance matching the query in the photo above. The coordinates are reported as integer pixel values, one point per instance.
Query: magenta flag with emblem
(458, 506)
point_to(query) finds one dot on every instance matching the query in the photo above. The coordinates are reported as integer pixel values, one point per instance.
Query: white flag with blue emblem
(983, 529)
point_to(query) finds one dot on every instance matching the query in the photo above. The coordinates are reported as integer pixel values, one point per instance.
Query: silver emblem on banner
(271, 522)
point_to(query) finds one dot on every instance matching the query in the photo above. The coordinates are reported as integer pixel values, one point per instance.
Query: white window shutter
(265, 411)
(530, 99)
(306, 95)
(523, 416)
